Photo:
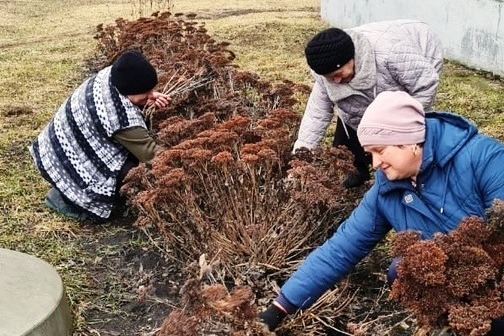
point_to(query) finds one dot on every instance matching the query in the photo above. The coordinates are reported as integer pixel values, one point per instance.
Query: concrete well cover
(32, 297)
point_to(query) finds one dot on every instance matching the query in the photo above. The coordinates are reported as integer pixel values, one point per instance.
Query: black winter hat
(329, 50)
(133, 74)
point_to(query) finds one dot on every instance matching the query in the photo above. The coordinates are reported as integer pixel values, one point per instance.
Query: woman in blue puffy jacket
(432, 171)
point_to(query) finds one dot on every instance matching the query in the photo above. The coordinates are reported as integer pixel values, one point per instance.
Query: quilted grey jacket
(400, 55)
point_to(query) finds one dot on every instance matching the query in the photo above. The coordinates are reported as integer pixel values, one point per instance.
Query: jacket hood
(445, 134)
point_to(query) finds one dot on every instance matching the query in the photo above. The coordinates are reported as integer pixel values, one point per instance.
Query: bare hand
(159, 100)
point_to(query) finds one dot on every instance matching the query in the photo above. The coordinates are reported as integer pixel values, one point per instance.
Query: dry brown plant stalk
(178, 85)
(216, 193)
(213, 310)
(321, 316)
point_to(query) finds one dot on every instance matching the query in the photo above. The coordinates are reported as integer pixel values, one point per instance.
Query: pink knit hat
(393, 118)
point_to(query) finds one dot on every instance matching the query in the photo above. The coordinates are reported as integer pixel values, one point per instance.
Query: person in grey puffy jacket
(433, 170)
(350, 67)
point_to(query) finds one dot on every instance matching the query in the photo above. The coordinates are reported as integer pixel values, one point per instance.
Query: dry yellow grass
(43, 48)
(268, 37)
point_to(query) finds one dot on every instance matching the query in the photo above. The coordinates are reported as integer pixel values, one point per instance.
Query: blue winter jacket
(462, 172)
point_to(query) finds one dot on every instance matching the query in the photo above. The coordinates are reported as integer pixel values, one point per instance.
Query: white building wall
(472, 31)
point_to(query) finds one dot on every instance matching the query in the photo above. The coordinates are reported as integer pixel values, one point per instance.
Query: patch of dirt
(132, 284)
(223, 13)
(11, 111)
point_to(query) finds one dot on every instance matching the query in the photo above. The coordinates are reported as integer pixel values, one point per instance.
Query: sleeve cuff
(285, 304)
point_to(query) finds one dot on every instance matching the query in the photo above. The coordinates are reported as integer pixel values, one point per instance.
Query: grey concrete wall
(472, 31)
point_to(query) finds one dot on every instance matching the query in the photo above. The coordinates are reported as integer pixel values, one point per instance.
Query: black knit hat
(329, 50)
(132, 74)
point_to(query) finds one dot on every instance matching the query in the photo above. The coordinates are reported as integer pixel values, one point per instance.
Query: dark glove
(272, 317)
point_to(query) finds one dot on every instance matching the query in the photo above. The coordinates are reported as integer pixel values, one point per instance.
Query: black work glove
(272, 317)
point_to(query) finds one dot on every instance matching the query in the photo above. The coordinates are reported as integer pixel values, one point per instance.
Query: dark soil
(132, 282)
